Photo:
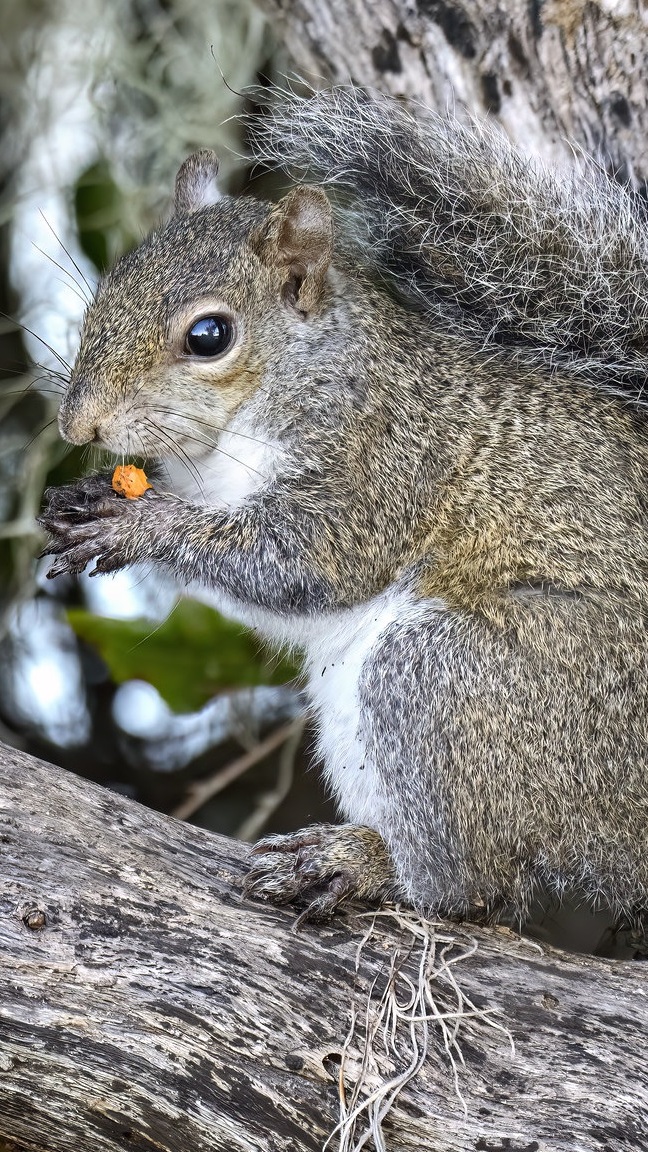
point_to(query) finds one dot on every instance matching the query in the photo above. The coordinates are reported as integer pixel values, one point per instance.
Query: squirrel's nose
(75, 425)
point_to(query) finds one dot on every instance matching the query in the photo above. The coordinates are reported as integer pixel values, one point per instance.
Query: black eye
(209, 336)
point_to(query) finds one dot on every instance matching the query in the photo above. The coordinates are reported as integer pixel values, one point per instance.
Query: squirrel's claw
(86, 499)
(74, 542)
(324, 864)
(67, 565)
(87, 521)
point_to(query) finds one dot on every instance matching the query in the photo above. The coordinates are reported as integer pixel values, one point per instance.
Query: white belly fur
(245, 461)
(335, 660)
(336, 645)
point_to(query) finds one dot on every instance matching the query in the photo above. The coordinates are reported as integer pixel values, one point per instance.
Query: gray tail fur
(551, 266)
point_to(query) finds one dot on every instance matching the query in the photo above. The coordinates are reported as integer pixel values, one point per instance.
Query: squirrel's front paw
(324, 865)
(88, 521)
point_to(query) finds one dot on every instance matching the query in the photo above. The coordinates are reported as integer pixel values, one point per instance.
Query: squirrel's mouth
(149, 435)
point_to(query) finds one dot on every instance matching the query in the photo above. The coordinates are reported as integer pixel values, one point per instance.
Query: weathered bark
(551, 71)
(143, 1005)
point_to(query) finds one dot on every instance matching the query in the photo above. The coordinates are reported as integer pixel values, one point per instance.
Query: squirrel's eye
(209, 336)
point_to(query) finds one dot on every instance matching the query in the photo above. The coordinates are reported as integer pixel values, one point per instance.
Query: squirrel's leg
(491, 733)
(633, 926)
(324, 865)
(266, 553)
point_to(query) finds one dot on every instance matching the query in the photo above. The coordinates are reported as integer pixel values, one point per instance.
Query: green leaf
(99, 210)
(189, 658)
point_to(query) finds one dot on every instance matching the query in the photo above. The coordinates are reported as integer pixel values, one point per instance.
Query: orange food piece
(130, 481)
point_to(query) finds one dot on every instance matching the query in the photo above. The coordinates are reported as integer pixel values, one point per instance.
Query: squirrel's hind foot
(324, 865)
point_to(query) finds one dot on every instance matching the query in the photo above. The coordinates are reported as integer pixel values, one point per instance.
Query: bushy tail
(553, 267)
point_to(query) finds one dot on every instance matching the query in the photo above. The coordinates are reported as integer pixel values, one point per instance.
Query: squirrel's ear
(195, 185)
(297, 238)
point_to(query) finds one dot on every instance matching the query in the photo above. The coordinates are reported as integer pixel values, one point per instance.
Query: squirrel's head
(188, 326)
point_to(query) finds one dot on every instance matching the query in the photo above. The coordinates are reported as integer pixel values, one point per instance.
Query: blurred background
(115, 677)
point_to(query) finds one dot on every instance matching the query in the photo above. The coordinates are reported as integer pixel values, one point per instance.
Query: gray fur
(453, 428)
(196, 183)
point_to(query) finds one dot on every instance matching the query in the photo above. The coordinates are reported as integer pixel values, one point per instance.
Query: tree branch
(144, 1005)
(552, 73)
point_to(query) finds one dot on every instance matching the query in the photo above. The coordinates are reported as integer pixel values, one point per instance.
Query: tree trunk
(552, 71)
(143, 1005)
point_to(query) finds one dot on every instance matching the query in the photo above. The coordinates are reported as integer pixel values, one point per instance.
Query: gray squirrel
(416, 451)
